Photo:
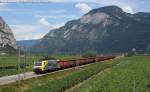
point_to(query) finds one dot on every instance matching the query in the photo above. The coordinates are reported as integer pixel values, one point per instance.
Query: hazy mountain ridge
(26, 43)
(107, 29)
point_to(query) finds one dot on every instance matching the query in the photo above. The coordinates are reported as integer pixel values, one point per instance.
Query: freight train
(46, 65)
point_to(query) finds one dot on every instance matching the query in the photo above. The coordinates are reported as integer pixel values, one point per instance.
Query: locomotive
(46, 65)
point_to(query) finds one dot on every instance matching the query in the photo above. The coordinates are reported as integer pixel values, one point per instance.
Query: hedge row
(14, 67)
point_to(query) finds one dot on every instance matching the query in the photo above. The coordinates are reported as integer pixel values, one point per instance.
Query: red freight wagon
(65, 64)
(110, 57)
(106, 57)
(72, 62)
(100, 58)
(81, 61)
(90, 59)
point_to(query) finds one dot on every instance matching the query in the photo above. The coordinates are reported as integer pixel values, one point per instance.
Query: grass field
(12, 60)
(59, 81)
(131, 75)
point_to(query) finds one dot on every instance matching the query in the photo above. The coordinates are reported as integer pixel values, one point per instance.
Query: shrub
(89, 54)
(129, 54)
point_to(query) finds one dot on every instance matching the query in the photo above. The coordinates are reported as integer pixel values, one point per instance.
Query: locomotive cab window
(38, 63)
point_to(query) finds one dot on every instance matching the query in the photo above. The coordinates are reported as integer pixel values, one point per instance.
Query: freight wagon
(46, 65)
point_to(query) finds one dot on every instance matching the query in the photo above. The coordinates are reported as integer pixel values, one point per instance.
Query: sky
(32, 19)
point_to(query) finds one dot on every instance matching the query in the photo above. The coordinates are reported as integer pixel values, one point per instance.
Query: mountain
(7, 39)
(27, 43)
(104, 30)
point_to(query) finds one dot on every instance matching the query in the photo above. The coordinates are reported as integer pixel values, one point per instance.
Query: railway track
(24, 76)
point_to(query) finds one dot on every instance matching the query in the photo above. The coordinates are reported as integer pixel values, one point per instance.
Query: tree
(89, 54)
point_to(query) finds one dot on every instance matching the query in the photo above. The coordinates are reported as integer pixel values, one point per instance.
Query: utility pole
(21, 65)
(18, 65)
(24, 61)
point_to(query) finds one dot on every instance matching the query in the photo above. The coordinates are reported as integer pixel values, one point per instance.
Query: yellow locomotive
(42, 66)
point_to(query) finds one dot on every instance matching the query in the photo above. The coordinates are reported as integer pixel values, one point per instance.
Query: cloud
(58, 25)
(27, 32)
(83, 7)
(57, 11)
(128, 9)
(44, 22)
(49, 26)
(3, 7)
(45, 17)
(71, 1)
(51, 1)
(126, 5)
(57, 1)
(60, 16)
(3, 4)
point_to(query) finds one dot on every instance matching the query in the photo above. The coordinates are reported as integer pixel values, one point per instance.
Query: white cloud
(58, 25)
(69, 1)
(44, 22)
(127, 6)
(83, 7)
(51, 16)
(3, 4)
(60, 16)
(128, 9)
(57, 1)
(27, 32)
(52, 1)
(49, 26)
(57, 11)
(3, 7)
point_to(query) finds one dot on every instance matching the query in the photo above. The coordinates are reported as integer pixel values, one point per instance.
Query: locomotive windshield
(38, 63)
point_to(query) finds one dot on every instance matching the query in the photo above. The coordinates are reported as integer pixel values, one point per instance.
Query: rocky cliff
(7, 39)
